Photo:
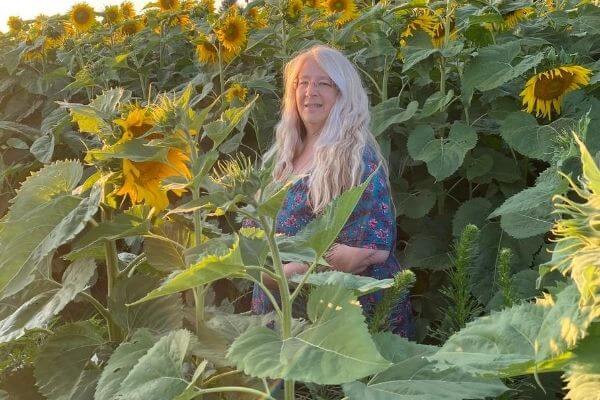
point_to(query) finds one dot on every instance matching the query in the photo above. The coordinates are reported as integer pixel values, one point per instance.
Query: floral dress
(371, 225)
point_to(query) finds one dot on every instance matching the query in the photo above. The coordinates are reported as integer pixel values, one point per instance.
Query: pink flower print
(373, 223)
(291, 221)
(298, 198)
(372, 167)
(371, 187)
(384, 206)
(381, 234)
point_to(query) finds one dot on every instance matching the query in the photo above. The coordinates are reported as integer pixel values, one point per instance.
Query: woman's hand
(289, 269)
(354, 259)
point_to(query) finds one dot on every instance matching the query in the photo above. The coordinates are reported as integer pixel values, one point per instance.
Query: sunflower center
(82, 16)
(231, 32)
(550, 88)
(339, 5)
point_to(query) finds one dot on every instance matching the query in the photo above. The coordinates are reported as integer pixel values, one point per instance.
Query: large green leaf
(220, 330)
(472, 211)
(361, 285)
(493, 66)
(443, 156)
(208, 269)
(516, 340)
(413, 377)
(123, 359)
(38, 311)
(547, 185)
(68, 364)
(137, 150)
(121, 226)
(218, 130)
(159, 374)
(56, 215)
(320, 233)
(159, 316)
(388, 113)
(336, 344)
(532, 222)
(522, 133)
(45, 185)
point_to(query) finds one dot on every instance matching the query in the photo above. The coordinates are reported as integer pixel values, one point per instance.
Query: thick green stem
(112, 272)
(442, 75)
(284, 292)
(384, 85)
(237, 389)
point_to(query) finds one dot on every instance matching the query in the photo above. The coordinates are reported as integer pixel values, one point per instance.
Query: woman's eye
(303, 83)
(324, 84)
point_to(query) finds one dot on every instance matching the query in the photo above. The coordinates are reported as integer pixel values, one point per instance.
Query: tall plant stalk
(284, 292)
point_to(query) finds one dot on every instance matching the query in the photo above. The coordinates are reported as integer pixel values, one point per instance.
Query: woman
(324, 134)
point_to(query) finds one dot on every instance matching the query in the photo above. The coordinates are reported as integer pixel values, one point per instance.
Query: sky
(28, 9)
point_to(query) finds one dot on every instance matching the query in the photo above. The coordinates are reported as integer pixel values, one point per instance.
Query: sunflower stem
(284, 292)
(221, 77)
(112, 272)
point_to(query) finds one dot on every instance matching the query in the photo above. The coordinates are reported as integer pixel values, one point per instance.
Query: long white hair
(337, 163)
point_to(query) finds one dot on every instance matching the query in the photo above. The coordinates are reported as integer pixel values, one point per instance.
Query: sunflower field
(130, 148)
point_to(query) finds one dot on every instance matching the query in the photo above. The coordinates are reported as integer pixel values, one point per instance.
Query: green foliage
(44, 301)
(336, 343)
(402, 282)
(443, 156)
(412, 376)
(461, 307)
(505, 281)
(79, 349)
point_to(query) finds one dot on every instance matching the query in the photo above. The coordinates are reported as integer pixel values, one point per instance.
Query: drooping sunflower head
(208, 5)
(346, 9)
(138, 121)
(82, 17)
(511, 19)
(257, 17)
(127, 10)
(294, 8)
(56, 33)
(438, 32)
(15, 24)
(232, 32)
(142, 180)
(112, 15)
(420, 18)
(236, 91)
(168, 5)
(131, 27)
(544, 92)
(206, 51)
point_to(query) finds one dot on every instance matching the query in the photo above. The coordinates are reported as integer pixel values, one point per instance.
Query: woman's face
(315, 95)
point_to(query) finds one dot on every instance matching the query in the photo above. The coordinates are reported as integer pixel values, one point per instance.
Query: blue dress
(371, 225)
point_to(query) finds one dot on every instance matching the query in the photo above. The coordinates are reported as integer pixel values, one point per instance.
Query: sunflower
(206, 51)
(257, 17)
(112, 15)
(294, 8)
(56, 34)
(512, 19)
(346, 9)
(82, 17)
(544, 91)
(422, 19)
(167, 5)
(142, 180)
(15, 24)
(208, 5)
(138, 121)
(438, 33)
(127, 10)
(131, 27)
(236, 91)
(232, 32)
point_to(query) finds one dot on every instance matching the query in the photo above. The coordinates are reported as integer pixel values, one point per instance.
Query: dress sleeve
(372, 224)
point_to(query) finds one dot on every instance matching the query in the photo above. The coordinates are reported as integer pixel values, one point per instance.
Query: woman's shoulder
(371, 160)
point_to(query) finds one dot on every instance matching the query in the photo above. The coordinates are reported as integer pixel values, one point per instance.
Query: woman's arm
(354, 259)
